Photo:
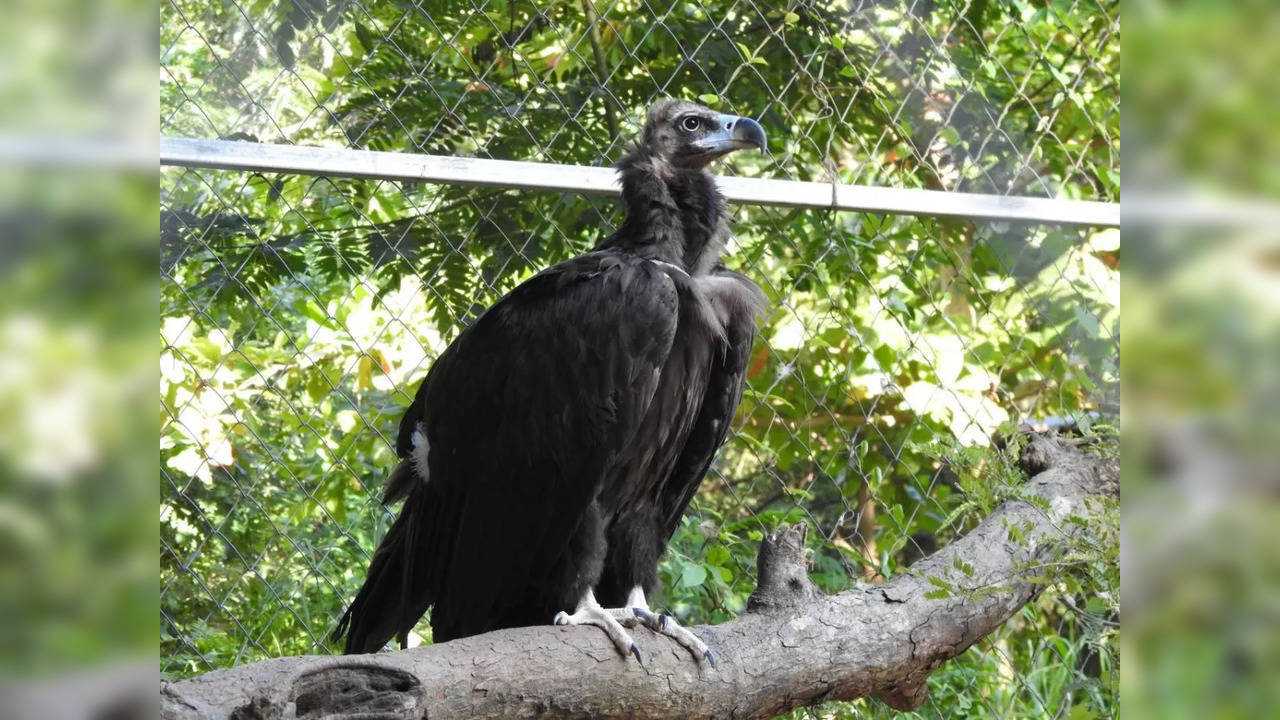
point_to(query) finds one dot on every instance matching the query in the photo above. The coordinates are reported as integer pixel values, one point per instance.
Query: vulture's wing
(736, 300)
(523, 415)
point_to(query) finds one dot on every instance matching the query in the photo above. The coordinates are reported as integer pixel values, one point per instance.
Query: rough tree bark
(794, 646)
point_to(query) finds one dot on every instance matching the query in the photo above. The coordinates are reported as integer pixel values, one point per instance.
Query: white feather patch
(669, 266)
(421, 450)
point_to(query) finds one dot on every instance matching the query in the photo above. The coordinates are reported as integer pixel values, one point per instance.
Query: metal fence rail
(515, 175)
(346, 185)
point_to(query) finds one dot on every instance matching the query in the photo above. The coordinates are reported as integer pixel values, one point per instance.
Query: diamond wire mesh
(300, 312)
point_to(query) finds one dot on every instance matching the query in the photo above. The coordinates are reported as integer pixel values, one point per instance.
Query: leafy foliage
(300, 312)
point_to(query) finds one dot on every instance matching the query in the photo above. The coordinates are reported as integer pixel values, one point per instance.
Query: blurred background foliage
(78, 252)
(73, 447)
(1202, 378)
(298, 313)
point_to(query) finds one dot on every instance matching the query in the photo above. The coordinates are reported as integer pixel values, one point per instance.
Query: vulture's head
(689, 135)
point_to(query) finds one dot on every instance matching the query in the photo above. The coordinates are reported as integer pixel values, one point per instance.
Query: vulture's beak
(732, 133)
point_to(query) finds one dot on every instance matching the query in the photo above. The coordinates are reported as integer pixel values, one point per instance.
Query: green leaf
(1088, 322)
(1082, 712)
(692, 575)
(365, 37)
(941, 584)
(717, 555)
(886, 356)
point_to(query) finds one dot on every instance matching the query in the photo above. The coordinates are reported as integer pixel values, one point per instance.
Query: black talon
(636, 651)
(710, 656)
(662, 622)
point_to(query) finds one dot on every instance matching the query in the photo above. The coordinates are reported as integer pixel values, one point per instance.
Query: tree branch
(794, 646)
(602, 66)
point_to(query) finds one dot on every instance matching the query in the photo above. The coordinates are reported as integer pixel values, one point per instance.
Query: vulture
(552, 448)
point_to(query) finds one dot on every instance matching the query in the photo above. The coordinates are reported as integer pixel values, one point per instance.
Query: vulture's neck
(676, 215)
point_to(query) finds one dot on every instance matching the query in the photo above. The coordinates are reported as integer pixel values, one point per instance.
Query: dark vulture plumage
(550, 452)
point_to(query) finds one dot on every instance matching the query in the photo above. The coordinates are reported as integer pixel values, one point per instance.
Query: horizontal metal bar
(1201, 211)
(124, 154)
(408, 167)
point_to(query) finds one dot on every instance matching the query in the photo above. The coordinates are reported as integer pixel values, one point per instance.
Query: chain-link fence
(299, 311)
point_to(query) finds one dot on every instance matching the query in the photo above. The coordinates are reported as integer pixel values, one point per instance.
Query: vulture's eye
(691, 123)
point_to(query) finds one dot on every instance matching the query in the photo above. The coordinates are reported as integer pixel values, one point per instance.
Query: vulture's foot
(637, 611)
(589, 612)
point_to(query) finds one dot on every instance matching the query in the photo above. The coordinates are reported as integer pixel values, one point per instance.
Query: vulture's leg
(638, 610)
(589, 612)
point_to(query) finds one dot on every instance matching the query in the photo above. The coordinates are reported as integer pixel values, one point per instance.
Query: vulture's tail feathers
(396, 592)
